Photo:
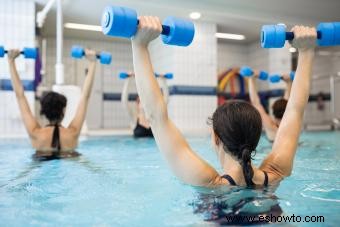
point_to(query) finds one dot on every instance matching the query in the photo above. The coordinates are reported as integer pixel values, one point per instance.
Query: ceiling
(232, 16)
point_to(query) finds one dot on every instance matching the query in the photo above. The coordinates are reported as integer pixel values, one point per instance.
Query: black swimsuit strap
(265, 183)
(230, 179)
(232, 182)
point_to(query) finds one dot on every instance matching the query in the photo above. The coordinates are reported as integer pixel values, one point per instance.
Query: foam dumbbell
(275, 36)
(246, 71)
(168, 76)
(30, 53)
(123, 22)
(104, 57)
(277, 78)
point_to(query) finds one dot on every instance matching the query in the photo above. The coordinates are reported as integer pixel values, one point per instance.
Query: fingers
(150, 23)
(304, 31)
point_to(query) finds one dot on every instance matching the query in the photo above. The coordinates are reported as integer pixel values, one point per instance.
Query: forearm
(125, 93)
(165, 89)
(147, 86)
(254, 96)
(125, 100)
(16, 82)
(300, 87)
(88, 83)
(288, 90)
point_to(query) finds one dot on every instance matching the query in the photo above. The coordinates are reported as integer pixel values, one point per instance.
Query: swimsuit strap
(232, 182)
(230, 179)
(265, 183)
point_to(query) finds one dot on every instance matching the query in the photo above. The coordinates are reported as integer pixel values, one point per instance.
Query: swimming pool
(120, 181)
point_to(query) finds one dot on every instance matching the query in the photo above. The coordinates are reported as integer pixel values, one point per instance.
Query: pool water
(119, 181)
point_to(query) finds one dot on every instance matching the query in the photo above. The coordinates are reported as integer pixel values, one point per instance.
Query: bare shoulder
(70, 132)
(273, 171)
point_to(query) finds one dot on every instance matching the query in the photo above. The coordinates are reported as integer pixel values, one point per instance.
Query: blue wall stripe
(6, 85)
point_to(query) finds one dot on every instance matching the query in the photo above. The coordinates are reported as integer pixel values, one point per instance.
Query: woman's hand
(286, 78)
(13, 54)
(90, 55)
(304, 38)
(149, 29)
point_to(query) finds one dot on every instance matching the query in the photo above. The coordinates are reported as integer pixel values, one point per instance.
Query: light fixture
(195, 15)
(292, 50)
(230, 36)
(83, 27)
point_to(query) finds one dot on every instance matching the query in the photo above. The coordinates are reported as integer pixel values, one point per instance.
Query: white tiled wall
(324, 67)
(17, 19)
(231, 55)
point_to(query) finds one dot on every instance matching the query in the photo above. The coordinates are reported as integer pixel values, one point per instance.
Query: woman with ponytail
(53, 141)
(236, 126)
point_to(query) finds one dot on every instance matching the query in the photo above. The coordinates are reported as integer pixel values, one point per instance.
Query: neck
(232, 167)
(54, 123)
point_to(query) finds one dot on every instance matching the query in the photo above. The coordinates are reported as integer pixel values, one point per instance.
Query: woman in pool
(236, 126)
(53, 141)
(138, 121)
(270, 124)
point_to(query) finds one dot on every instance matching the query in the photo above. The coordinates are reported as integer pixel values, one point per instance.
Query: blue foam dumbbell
(276, 78)
(246, 71)
(275, 36)
(104, 57)
(30, 53)
(123, 22)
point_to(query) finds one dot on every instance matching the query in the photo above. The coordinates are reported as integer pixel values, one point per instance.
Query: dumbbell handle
(290, 35)
(165, 29)
(21, 52)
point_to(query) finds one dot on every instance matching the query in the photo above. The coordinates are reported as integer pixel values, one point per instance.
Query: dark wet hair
(238, 125)
(279, 108)
(52, 106)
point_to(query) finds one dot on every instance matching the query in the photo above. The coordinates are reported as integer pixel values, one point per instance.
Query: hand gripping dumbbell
(275, 36)
(104, 57)
(123, 22)
(246, 71)
(31, 53)
(277, 78)
(168, 76)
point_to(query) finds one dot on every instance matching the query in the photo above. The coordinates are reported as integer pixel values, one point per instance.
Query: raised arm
(268, 124)
(183, 161)
(289, 83)
(279, 162)
(125, 101)
(31, 124)
(78, 120)
(165, 89)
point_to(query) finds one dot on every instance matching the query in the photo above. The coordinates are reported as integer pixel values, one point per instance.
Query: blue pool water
(120, 181)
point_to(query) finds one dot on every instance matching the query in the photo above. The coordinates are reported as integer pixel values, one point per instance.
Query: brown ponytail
(248, 171)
